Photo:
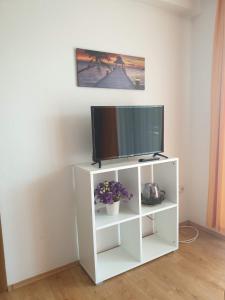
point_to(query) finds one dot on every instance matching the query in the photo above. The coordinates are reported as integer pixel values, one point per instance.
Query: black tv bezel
(123, 156)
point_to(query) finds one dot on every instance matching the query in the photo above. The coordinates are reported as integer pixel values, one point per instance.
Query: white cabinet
(110, 245)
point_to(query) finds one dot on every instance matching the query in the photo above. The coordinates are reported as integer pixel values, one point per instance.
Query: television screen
(122, 131)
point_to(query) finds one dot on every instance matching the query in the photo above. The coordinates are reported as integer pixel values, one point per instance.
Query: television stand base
(159, 154)
(97, 162)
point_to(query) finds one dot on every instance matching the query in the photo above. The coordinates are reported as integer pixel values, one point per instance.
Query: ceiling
(183, 7)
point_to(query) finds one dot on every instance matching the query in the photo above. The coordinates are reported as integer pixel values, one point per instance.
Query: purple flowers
(111, 191)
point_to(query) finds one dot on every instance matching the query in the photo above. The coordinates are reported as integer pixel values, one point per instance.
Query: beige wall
(201, 58)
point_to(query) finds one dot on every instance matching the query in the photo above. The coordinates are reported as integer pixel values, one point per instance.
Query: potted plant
(110, 193)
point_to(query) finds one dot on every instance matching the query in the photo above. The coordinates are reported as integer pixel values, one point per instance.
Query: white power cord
(188, 241)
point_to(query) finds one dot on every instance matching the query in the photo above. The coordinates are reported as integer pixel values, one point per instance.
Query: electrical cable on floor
(188, 241)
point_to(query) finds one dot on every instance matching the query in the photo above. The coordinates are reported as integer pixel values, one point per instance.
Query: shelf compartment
(146, 172)
(100, 177)
(165, 175)
(130, 180)
(113, 262)
(148, 209)
(107, 238)
(163, 234)
(129, 209)
(102, 220)
(127, 253)
(154, 246)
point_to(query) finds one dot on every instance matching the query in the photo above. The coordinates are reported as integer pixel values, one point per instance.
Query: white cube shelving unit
(110, 245)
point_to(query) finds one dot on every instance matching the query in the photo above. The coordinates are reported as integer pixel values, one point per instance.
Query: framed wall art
(109, 70)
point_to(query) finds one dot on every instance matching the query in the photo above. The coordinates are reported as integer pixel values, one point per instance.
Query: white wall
(45, 118)
(201, 57)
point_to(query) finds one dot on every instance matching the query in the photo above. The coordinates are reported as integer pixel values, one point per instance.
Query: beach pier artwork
(109, 70)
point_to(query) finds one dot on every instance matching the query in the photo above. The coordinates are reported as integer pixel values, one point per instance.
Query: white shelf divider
(102, 220)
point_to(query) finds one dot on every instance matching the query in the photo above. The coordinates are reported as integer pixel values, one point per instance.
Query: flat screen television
(122, 131)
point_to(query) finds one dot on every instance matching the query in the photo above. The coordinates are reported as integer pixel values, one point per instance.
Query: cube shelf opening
(129, 209)
(165, 175)
(162, 234)
(120, 250)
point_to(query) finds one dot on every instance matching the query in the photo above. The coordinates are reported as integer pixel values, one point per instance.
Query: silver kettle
(152, 194)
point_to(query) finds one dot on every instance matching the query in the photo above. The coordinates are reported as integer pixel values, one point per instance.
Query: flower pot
(113, 209)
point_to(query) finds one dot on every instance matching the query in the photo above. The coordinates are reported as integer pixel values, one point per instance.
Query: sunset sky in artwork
(129, 61)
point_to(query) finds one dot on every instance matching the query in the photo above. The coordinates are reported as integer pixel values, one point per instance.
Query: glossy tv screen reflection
(122, 131)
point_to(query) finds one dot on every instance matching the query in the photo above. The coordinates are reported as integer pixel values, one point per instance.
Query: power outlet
(181, 189)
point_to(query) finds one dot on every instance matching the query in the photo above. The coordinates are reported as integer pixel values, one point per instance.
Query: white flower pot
(113, 209)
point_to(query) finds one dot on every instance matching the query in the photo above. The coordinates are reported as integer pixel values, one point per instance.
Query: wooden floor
(195, 271)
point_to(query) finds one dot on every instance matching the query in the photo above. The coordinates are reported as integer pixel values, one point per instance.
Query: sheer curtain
(216, 202)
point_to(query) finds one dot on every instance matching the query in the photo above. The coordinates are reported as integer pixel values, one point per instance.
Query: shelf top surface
(102, 220)
(113, 262)
(148, 209)
(118, 260)
(112, 166)
(154, 246)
